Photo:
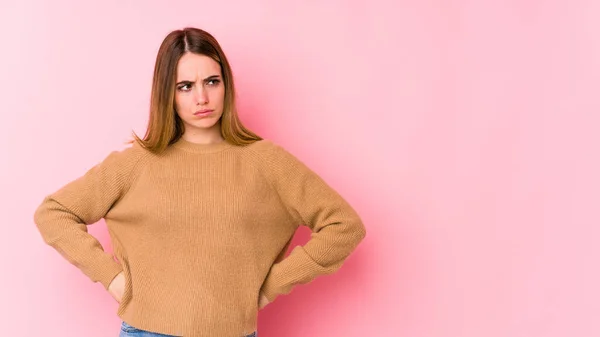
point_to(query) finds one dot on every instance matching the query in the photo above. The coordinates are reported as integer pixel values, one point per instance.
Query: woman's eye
(188, 86)
(184, 87)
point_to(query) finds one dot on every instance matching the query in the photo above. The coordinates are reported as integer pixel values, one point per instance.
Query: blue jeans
(129, 331)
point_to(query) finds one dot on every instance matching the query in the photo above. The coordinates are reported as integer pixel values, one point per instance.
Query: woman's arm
(63, 216)
(337, 228)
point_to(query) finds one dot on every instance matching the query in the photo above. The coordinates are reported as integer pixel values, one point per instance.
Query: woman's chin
(203, 124)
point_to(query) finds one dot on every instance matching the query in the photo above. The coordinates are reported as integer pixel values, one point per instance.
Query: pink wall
(464, 132)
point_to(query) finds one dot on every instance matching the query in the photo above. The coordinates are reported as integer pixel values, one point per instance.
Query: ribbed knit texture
(200, 231)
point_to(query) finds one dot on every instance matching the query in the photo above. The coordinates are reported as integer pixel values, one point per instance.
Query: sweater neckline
(201, 148)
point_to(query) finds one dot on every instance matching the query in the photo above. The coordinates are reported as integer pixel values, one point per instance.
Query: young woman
(200, 211)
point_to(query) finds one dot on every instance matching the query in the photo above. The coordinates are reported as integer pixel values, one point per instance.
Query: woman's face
(199, 93)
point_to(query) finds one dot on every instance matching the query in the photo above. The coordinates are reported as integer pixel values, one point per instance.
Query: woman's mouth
(203, 112)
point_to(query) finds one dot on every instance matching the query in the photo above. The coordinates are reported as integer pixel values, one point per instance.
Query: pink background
(464, 132)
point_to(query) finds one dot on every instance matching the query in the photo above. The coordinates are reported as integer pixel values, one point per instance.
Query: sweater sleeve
(336, 227)
(63, 216)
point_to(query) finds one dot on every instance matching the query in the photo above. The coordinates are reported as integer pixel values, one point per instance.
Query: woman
(201, 211)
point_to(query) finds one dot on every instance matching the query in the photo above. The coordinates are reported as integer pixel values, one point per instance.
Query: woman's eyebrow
(206, 79)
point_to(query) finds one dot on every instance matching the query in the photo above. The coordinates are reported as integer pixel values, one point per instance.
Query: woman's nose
(201, 96)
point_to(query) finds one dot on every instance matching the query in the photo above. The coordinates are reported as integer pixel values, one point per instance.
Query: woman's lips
(204, 112)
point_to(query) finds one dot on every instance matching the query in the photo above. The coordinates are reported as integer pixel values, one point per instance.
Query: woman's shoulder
(273, 153)
(128, 155)
(266, 148)
(261, 143)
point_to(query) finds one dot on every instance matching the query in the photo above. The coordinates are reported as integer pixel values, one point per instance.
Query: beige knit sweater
(200, 231)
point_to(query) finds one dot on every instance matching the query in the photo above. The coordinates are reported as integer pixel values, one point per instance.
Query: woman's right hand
(117, 287)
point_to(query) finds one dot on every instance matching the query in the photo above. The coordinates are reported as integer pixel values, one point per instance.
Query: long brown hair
(165, 127)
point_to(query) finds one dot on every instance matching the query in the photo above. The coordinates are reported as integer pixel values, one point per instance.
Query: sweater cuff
(107, 272)
(297, 268)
